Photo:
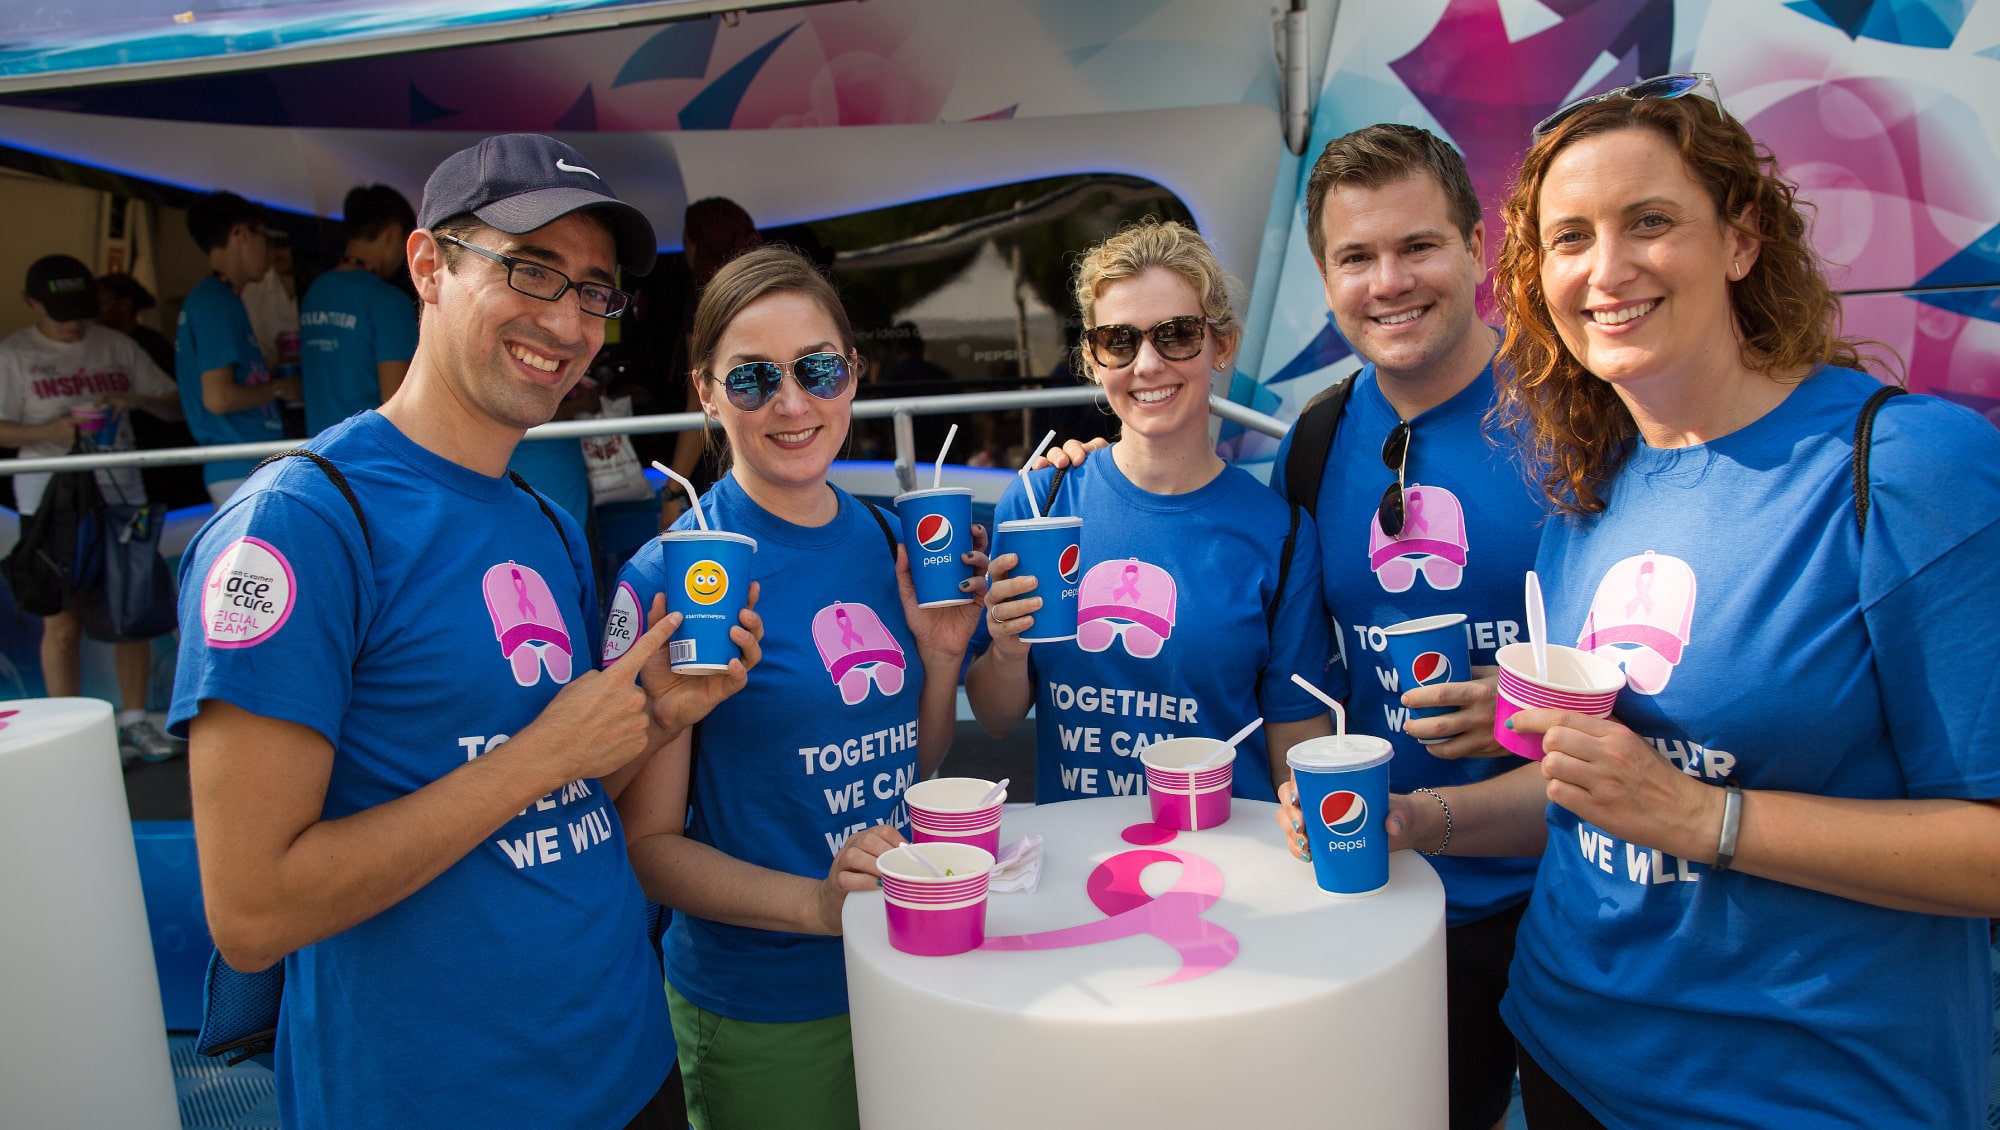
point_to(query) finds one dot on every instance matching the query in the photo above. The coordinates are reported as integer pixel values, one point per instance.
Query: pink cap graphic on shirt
(1432, 542)
(1640, 617)
(857, 649)
(528, 623)
(1129, 600)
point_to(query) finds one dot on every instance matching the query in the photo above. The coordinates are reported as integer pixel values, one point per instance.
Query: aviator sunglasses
(1395, 456)
(1665, 86)
(752, 384)
(1176, 339)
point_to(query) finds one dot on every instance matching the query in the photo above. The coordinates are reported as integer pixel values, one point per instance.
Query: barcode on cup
(680, 651)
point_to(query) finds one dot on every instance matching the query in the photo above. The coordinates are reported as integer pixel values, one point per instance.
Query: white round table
(1226, 992)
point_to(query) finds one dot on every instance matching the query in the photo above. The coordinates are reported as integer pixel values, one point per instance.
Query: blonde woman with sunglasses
(755, 829)
(1190, 620)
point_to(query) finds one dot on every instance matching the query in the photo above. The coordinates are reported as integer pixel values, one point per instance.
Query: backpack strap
(1864, 438)
(1312, 440)
(334, 476)
(543, 503)
(1284, 571)
(888, 535)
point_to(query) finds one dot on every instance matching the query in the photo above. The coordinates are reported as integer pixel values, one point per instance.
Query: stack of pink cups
(1183, 799)
(932, 915)
(948, 811)
(1577, 680)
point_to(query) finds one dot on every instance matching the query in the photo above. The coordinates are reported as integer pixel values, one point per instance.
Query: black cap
(64, 287)
(518, 182)
(128, 288)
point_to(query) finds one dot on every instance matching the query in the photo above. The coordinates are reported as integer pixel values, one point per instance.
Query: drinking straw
(694, 503)
(1035, 507)
(1339, 711)
(937, 471)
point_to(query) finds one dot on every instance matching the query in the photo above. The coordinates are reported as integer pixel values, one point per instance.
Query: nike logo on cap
(566, 167)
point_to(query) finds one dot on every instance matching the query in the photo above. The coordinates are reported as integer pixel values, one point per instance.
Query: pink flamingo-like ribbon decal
(1174, 917)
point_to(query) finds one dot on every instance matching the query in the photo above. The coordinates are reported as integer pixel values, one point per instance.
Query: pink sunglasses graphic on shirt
(528, 623)
(1432, 542)
(1640, 618)
(1130, 601)
(857, 650)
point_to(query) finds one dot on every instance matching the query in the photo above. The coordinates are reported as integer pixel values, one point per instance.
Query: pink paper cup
(1182, 800)
(947, 811)
(1578, 681)
(930, 915)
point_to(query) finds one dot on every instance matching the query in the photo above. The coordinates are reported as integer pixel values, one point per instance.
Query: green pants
(742, 1075)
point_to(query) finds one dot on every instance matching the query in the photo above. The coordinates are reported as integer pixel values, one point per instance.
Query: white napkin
(1019, 867)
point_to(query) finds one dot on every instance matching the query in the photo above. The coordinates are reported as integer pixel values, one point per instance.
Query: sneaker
(144, 741)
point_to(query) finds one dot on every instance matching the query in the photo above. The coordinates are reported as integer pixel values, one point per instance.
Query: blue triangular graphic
(422, 109)
(680, 51)
(1847, 15)
(715, 106)
(581, 115)
(1912, 23)
(1978, 264)
(1323, 350)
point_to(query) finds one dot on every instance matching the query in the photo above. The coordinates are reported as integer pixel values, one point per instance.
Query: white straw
(911, 847)
(1339, 711)
(937, 472)
(694, 503)
(1035, 507)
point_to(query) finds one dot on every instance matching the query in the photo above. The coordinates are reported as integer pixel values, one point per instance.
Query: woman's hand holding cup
(1010, 606)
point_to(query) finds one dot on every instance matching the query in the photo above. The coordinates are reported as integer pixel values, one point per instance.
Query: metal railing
(897, 408)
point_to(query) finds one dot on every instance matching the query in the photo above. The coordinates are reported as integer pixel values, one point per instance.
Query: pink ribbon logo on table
(1174, 917)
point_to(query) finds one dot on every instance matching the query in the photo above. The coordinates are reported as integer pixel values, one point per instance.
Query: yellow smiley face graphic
(706, 582)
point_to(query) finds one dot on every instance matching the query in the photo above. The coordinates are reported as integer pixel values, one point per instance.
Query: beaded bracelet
(1446, 842)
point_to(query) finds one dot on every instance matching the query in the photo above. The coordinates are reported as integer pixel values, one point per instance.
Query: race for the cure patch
(248, 595)
(623, 625)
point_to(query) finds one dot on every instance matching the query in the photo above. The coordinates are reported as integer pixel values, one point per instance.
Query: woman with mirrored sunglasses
(1766, 877)
(743, 828)
(1182, 568)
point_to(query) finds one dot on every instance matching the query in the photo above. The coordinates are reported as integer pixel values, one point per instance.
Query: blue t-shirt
(1197, 573)
(214, 331)
(517, 988)
(815, 748)
(1763, 637)
(350, 322)
(1472, 524)
(556, 468)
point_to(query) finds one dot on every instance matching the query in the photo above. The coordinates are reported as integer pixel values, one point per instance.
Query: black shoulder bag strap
(334, 476)
(1312, 440)
(1864, 437)
(888, 535)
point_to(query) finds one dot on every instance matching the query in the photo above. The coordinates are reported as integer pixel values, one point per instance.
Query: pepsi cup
(1343, 785)
(1427, 652)
(936, 915)
(708, 583)
(937, 532)
(1577, 680)
(1051, 551)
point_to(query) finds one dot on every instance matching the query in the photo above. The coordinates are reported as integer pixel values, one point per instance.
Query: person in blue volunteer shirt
(754, 828)
(357, 332)
(1394, 226)
(1194, 623)
(402, 760)
(1765, 881)
(226, 390)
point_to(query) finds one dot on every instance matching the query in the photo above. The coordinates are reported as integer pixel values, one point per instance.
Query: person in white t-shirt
(61, 362)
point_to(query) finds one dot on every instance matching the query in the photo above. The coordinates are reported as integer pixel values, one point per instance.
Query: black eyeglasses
(548, 284)
(751, 385)
(1395, 456)
(1176, 339)
(1665, 86)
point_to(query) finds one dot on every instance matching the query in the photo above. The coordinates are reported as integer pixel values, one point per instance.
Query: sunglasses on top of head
(1176, 339)
(752, 384)
(1663, 87)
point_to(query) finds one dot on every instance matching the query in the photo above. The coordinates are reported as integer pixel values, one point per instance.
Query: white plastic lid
(930, 491)
(1050, 523)
(1355, 751)
(709, 535)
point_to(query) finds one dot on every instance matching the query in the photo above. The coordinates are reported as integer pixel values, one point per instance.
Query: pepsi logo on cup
(1070, 563)
(1431, 667)
(934, 532)
(1345, 813)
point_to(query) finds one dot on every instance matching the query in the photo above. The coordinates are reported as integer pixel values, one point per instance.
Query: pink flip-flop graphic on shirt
(1127, 600)
(1640, 617)
(857, 649)
(1432, 542)
(528, 622)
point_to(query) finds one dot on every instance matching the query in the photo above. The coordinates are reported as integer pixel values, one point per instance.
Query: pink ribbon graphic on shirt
(1642, 585)
(1413, 517)
(1174, 917)
(523, 605)
(848, 636)
(1128, 584)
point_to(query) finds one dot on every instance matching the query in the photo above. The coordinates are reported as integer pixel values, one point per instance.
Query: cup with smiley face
(707, 582)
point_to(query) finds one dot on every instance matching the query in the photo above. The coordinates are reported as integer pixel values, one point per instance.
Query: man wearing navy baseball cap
(403, 763)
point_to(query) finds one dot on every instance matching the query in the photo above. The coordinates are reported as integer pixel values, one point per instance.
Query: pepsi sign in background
(937, 533)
